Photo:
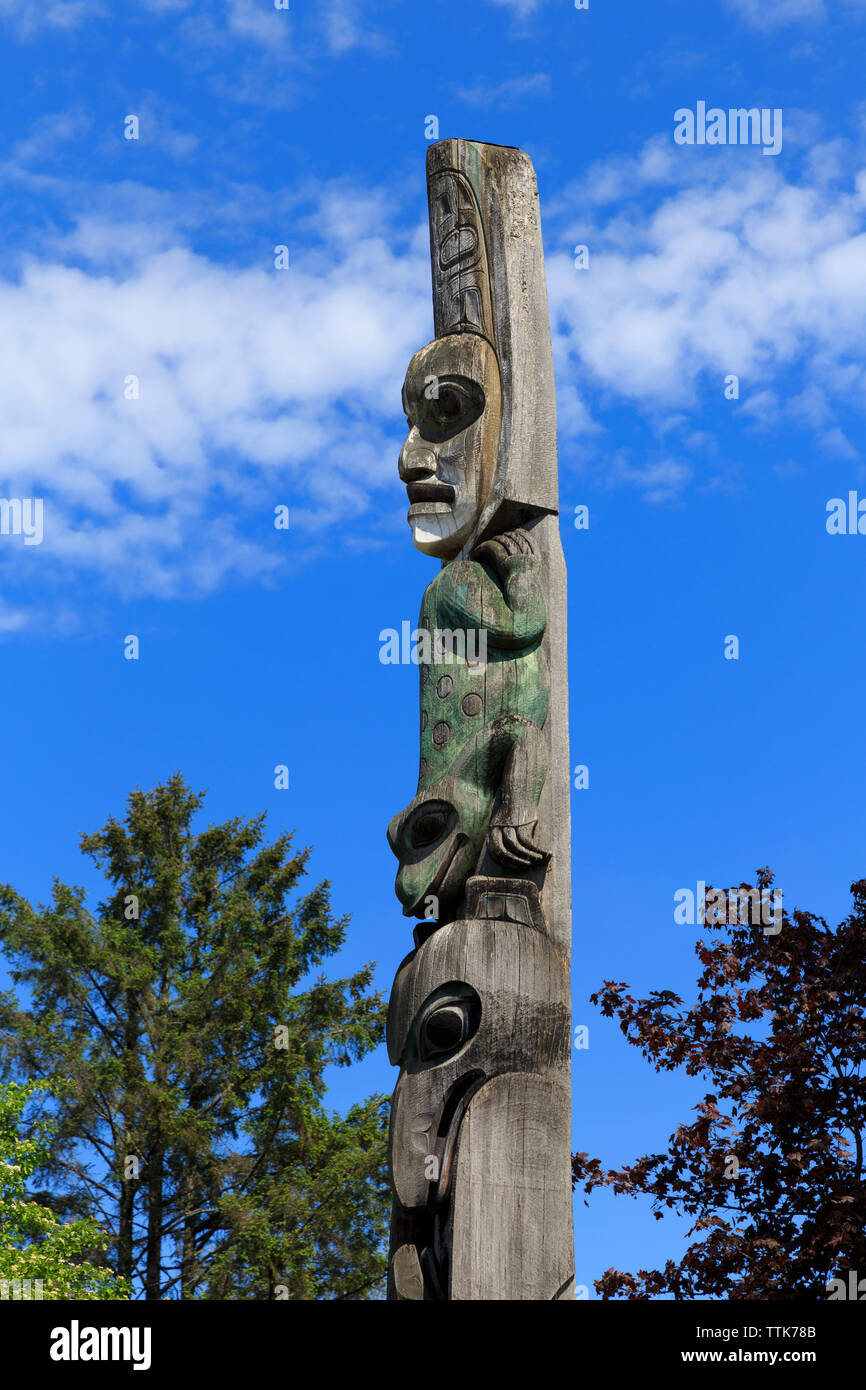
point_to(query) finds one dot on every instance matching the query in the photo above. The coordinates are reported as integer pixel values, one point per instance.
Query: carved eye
(444, 1029)
(450, 404)
(454, 407)
(449, 1018)
(430, 824)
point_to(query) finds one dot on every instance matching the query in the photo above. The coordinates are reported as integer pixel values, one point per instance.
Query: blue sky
(154, 258)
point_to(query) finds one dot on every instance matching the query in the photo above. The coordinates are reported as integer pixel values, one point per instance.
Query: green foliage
(35, 1245)
(191, 1023)
(326, 1201)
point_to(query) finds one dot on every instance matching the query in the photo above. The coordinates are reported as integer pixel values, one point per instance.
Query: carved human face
(452, 401)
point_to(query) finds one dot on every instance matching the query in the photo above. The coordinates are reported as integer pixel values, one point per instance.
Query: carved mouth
(453, 1111)
(434, 888)
(434, 491)
(427, 498)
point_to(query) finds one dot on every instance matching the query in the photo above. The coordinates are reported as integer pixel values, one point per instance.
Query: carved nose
(416, 463)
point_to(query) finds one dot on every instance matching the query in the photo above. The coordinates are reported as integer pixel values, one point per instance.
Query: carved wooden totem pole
(479, 1021)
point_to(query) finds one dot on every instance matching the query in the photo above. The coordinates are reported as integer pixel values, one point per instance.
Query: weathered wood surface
(479, 1022)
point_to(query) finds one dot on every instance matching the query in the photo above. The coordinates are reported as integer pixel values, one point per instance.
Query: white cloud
(26, 17)
(773, 14)
(788, 468)
(257, 387)
(506, 93)
(521, 8)
(339, 26)
(248, 20)
(13, 619)
(345, 28)
(767, 15)
(261, 387)
(47, 135)
(731, 269)
(837, 444)
(660, 481)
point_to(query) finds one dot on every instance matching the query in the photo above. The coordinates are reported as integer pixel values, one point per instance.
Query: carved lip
(430, 492)
(435, 886)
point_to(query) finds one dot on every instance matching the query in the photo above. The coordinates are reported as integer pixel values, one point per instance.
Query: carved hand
(498, 549)
(513, 847)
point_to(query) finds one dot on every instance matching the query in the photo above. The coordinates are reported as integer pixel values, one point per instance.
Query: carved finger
(517, 542)
(526, 837)
(520, 843)
(505, 848)
(499, 851)
(492, 552)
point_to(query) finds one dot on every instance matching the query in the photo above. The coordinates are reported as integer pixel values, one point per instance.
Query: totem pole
(479, 1021)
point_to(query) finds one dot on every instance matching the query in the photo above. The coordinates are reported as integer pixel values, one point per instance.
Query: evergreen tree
(192, 1031)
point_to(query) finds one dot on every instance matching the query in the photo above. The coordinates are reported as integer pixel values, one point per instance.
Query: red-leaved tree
(771, 1170)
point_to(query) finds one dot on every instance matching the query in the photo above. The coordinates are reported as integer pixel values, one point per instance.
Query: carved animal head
(440, 836)
(438, 840)
(452, 400)
(458, 1018)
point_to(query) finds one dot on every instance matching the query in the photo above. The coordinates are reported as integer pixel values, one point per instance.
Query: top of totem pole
(488, 279)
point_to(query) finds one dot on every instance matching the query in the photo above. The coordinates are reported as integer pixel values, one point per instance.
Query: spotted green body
(459, 698)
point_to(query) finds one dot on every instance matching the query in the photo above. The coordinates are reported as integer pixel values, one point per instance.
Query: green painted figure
(484, 677)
